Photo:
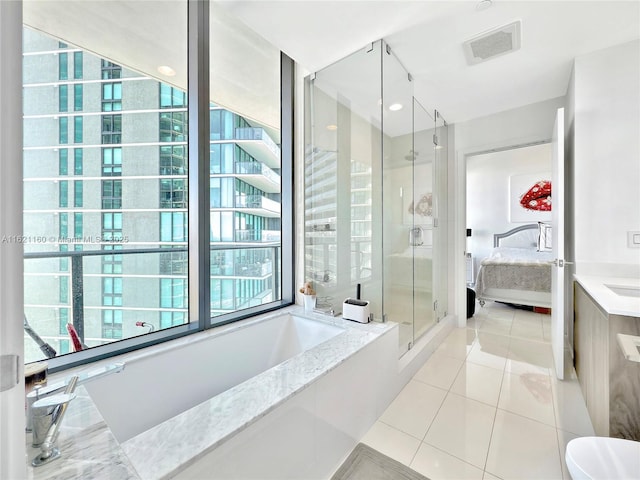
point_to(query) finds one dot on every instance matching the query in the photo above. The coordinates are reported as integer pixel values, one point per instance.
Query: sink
(625, 290)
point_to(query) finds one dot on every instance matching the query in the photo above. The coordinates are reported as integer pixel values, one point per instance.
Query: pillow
(544, 237)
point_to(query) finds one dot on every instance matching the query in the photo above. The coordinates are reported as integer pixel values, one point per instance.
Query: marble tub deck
(90, 450)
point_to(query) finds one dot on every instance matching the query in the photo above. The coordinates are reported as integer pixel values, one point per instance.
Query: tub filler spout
(40, 393)
(47, 418)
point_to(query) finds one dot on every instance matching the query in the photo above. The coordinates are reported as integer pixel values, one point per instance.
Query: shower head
(412, 156)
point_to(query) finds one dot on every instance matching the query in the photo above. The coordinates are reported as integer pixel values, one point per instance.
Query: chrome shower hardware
(415, 236)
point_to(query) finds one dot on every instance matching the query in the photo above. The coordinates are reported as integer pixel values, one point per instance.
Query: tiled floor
(486, 404)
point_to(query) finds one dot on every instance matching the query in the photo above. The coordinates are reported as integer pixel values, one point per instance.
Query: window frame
(199, 253)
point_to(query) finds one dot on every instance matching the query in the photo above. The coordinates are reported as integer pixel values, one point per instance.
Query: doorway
(490, 177)
(504, 232)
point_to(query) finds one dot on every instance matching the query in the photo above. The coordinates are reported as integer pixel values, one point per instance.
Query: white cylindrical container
(309, 302)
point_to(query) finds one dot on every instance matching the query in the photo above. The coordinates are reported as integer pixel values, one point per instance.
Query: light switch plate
(633, 239)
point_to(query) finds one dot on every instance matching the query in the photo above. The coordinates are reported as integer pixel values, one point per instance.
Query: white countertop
(611, 302)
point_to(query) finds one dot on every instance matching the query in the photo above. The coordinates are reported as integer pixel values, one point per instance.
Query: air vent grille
(493, 43)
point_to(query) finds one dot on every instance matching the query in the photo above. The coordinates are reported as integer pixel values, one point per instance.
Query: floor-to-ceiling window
(107, 178)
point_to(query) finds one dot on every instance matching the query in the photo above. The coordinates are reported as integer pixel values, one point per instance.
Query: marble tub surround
(363, 357)
(184, 375)
(166, 449)
(87, 446)
(611, 302)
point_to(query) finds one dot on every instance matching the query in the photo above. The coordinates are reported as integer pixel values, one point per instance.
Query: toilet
(591, 458)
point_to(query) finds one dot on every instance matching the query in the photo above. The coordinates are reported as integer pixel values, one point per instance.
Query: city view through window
(106, 214)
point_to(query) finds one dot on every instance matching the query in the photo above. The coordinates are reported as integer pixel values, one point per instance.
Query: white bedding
(512, 255)
(515, 275)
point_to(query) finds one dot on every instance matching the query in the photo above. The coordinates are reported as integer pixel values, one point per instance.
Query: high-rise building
(106, 201)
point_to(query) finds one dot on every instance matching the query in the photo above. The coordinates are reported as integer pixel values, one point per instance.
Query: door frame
(458, 198)
(12, 420)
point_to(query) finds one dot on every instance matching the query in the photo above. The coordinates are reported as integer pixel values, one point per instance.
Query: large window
(112, 161)
(110, 188)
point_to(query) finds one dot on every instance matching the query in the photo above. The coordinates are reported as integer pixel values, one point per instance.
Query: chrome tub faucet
(47, 405)
(47, 418)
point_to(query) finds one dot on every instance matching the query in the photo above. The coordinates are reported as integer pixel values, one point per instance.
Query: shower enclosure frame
(375, 173)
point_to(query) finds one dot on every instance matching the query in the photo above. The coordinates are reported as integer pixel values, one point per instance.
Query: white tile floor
(486, 405)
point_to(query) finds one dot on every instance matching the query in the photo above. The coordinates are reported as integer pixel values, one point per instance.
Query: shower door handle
(415, 236)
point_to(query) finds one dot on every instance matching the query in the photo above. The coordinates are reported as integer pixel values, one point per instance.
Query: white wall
(607, 160)
(488, 192)
(528, 124)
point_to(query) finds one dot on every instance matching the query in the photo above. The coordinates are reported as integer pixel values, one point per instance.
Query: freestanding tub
(158, 386)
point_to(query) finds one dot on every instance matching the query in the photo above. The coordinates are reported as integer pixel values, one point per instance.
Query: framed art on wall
(530, 198)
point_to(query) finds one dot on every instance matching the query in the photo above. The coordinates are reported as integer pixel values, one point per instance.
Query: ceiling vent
(493, 43)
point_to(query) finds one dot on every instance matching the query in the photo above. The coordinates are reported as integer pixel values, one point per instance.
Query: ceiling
(427, 36)
(144, 35)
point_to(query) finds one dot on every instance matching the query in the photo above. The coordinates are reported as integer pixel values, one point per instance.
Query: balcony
(257, 236)
(254, 270)
(257, 143)
(258, 205)
(258, 175)
(271, 236)
(142, 286)
(227, 267)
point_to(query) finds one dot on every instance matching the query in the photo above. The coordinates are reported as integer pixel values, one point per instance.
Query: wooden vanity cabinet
(610, 383)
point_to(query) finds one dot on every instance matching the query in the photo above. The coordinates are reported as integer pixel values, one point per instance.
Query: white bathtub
(157, 386)
(276, 397)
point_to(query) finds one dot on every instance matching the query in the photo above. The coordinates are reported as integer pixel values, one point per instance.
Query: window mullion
(287, 255)
(198, 175)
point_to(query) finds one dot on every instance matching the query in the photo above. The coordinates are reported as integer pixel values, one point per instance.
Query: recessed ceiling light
(394, 107)
(483, 5)
(166, 70)
(332, 127)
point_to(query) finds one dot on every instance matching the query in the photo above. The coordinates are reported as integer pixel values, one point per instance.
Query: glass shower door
(400, 234)
(422, 211)
(342, 181)
(375, 184)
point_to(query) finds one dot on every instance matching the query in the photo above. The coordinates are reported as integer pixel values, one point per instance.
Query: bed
(518, 271)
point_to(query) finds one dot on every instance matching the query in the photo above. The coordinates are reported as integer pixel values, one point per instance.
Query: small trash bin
(471, 302)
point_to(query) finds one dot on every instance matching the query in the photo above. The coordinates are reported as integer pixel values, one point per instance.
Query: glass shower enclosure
(375, 184)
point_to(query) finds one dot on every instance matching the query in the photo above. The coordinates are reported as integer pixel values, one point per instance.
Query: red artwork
(538, 197)
(75, 338)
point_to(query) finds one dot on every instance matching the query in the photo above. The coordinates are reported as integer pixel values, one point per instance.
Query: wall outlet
(633, 239)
